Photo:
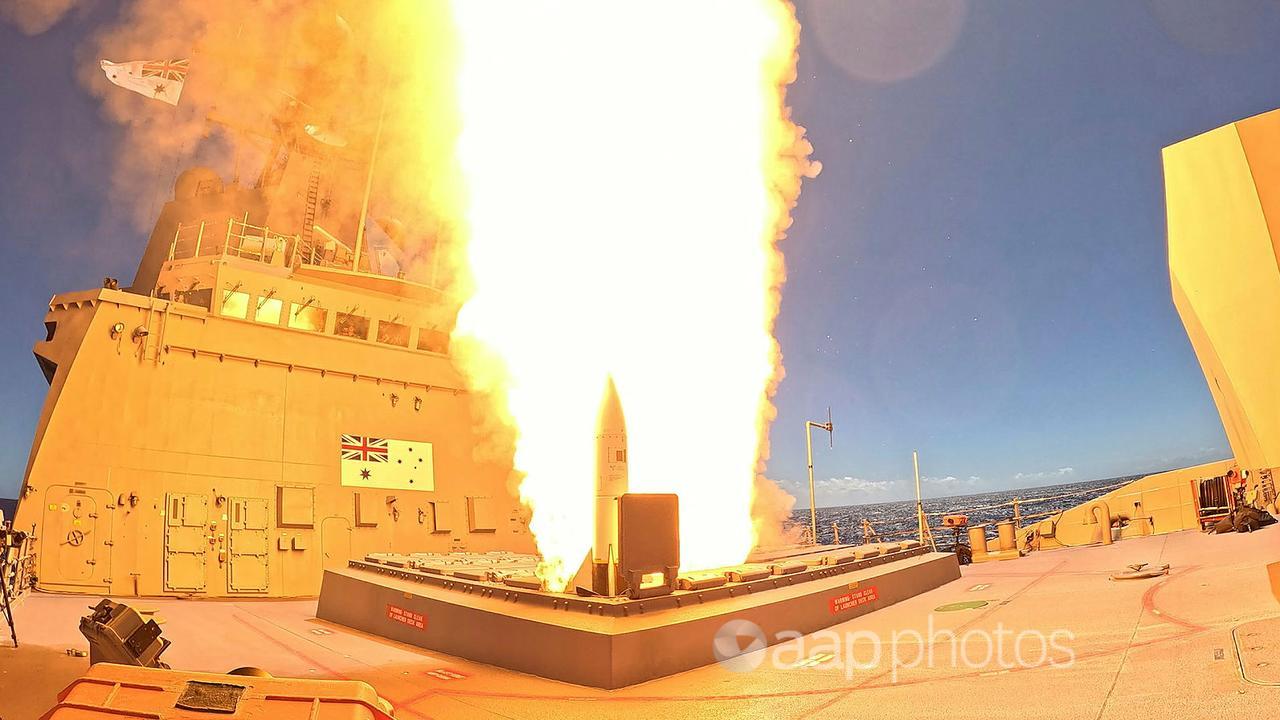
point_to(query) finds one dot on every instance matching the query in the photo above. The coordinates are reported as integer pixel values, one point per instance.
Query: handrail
(250, 241)
(240, 239)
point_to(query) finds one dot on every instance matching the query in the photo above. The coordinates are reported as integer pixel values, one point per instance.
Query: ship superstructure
(257, 406)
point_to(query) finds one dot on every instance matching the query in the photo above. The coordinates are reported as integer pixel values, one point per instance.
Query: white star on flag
(386, 463)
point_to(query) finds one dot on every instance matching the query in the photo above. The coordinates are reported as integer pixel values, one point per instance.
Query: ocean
(896, 520)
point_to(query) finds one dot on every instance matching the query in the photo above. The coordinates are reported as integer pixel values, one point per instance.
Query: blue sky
(979, 272)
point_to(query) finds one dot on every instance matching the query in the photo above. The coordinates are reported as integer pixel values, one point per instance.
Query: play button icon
(738, 645)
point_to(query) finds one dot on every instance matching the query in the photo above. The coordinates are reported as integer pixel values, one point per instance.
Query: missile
(611, 485)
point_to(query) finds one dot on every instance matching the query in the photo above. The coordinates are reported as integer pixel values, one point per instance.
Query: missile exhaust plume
(628, 172)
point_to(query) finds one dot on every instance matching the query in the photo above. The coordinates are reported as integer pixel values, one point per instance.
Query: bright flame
(628, 170)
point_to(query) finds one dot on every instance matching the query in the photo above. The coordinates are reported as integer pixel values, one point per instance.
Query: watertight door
(185, 542)
(247, 546)
(80, 533)
(335, 542)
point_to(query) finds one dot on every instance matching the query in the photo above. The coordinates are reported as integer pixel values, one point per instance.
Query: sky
(978, 273)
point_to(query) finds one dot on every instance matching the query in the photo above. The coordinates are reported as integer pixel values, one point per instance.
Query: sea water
(897, 521)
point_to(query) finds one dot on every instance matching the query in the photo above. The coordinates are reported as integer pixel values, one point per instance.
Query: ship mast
(368, 185)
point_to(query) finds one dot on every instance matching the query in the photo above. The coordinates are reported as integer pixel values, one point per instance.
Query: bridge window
(268, 310)
(307, 317)
(352, 326)
(433, 340)
(390, 333)
(202, 297)
(235, 303)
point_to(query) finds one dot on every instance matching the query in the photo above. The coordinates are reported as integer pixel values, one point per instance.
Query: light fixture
(140, 332)
(117, 330)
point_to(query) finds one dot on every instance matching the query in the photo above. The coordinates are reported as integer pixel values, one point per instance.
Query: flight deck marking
(965, 605)
(814, 660)
(982, 586)
(446, 674)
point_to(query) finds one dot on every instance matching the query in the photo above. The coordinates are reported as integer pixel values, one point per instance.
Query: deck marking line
(809, 692)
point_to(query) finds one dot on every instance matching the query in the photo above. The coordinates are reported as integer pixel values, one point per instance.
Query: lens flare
(628, 170)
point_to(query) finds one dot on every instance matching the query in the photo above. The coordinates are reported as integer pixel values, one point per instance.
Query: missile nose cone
(611, 418)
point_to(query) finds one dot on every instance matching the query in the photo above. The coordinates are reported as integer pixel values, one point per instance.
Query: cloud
(950, 481)
(845, 490)
(1061, 472)
(855, 484)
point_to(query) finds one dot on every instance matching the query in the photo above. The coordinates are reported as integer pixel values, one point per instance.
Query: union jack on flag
(364, 449)
(167, 69)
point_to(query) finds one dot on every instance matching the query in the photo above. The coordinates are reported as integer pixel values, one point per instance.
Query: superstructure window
(390, 333)
(201, 298)
(352, 326)
(268, 311)
(433, 340)
(235, 304)
(307, 317)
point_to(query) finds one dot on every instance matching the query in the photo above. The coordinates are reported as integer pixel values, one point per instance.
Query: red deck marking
(1149, 602)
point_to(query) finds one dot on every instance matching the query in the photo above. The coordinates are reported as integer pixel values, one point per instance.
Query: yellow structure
(1154, 505)
(1223, 196)
(1223, 202)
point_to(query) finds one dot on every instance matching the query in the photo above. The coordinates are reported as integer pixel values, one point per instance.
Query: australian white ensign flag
(157, 79)
(387, 463)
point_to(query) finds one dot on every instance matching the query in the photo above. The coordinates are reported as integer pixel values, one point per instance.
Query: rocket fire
(628, 172)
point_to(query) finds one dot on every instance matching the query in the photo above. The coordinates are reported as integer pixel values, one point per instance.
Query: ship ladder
(309, 214)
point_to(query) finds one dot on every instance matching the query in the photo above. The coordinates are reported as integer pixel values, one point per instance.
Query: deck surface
(1137, 649)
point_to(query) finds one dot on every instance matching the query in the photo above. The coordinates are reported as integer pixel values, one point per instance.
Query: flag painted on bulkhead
(387, 463)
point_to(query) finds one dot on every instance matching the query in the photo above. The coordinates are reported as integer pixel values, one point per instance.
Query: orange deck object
(122, 691)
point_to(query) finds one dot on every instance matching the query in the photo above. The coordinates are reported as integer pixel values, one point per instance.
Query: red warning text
(853, 599)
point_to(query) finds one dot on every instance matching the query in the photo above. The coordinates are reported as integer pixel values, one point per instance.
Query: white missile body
(611, 485)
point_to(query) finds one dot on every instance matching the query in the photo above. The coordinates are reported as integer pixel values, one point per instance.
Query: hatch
(186, 542)
(247, 545)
